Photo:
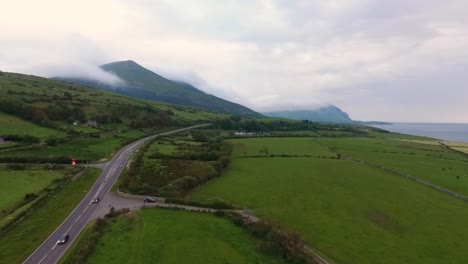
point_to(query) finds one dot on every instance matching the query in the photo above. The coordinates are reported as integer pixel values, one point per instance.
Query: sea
(446, 131)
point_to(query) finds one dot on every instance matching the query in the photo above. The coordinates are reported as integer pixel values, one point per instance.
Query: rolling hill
(51, 103)
(57, 120)
(142, 83)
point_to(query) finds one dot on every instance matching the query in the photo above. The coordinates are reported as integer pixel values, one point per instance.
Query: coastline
(451, 132)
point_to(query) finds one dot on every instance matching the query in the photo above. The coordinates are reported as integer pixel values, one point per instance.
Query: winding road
(49, 252)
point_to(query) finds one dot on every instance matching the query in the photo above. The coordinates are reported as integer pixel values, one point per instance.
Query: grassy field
(430, 162)
(20, 241)
(11, 125)
(83, 147)
(15, 184)
(350, 212)
(166, 236)
(459, 146)
(278, 146)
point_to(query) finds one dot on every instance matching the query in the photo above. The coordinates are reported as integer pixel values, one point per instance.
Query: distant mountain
(326, 114)
(143, 83)
(371, 123)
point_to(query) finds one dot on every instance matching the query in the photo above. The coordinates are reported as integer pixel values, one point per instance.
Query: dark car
(95, 200)
(150, 200)
(63, 239)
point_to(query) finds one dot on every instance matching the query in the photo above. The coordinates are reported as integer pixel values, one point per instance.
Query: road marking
(42, 259)
(54, 246)
(100, 188)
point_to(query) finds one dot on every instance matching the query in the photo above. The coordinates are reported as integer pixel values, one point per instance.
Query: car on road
(63, 239)
(95, 200)
(150, 200)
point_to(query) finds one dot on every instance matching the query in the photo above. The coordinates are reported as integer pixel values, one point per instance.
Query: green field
(459, 146)
(278, 146)
(20, 241)
(82, 147)
(11, 125)
(349, 212)
(430, 162)
(15, 184)
(166, 236)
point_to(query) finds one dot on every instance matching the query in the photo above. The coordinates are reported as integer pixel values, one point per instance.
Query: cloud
(68, 55)
(85, 71)
(379, 60)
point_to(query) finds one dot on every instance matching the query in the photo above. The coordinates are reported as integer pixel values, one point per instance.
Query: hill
(51, 103)
(57, 120)
(326, 114)
(142, 83)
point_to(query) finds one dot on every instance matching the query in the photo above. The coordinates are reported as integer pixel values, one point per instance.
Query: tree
(67, 96)
(52, 141)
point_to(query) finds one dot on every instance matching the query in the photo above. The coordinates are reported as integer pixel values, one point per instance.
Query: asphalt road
(49, 251)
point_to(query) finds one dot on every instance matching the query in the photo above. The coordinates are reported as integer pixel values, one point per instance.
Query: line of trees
(261, 125)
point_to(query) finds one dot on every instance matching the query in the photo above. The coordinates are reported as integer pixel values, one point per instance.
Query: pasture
(15, 184)
(24, 237)
(350, 212)
(11, 125)
(166, 236)
(82, 147)
(459, 146)
(278, 146)
(433, 163)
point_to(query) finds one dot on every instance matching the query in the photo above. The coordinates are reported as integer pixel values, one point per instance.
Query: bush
(52, 141)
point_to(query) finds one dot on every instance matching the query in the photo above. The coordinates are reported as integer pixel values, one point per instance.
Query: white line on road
(42, 259)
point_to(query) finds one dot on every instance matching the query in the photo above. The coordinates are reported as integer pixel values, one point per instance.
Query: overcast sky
(399, 60)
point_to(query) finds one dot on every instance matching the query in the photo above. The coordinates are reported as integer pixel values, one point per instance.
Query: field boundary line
(392, 171)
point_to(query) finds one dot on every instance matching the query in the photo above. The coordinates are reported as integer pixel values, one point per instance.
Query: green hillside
(51, 119)
(143, 83)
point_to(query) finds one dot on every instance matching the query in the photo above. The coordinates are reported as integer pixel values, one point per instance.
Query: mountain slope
(143, 83)
(326, 114)
(54, 103)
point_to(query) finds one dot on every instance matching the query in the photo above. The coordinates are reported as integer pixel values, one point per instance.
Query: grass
(350, 212)
(278, 146)
(166, 236)
(433, 163)
(20, 241)
(11, 125)
(459, 146)
(80, 147)
(15, 184)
